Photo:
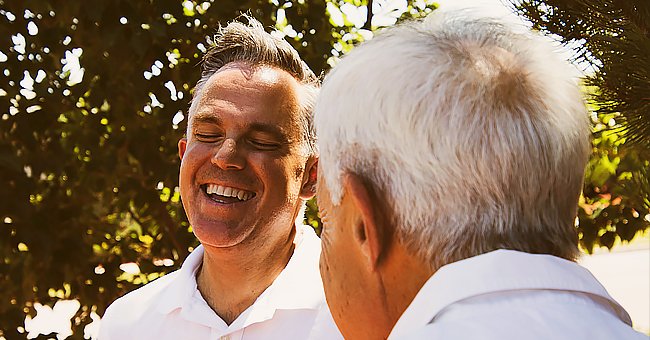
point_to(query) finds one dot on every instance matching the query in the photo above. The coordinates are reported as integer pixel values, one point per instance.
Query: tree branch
(135, 216)
(167, 224)
(368, 24)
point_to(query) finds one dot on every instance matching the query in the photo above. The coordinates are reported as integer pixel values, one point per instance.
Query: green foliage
(93, 96)
(92, 99)
(612, 38)
(615, 202)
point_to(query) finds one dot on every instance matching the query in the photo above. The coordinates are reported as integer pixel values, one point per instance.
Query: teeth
(228, 192)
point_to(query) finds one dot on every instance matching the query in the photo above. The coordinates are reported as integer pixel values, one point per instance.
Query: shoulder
(143, 296)
(537, 330)
(157, 296)
(132, 309)
(324, 325)
(527, 315)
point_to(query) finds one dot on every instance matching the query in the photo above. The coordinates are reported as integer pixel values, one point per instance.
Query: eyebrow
(272, 130)
(200, 118)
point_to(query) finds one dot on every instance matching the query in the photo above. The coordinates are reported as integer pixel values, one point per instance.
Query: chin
(220, 235)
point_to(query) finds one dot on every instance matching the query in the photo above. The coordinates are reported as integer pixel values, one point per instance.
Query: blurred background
(93, 99)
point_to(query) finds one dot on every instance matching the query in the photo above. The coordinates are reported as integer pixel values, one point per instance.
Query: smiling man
(248, 164)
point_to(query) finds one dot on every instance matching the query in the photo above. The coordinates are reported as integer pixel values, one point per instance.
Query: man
(248, 164)
(452, 153)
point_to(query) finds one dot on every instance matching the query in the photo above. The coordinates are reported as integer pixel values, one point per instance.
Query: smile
(223, 194)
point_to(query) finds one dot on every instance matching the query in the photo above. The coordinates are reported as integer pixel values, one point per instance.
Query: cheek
(194, 156)
(334, 269)
(184, 175)
(283, 176)
(325, 256)
(332, 283)
(328, 264)
(187, 172)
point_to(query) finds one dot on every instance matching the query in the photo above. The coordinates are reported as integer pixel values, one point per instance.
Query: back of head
(472, 130)
(248, 43)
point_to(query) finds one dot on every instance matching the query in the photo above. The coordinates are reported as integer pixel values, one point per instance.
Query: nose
(227, 156)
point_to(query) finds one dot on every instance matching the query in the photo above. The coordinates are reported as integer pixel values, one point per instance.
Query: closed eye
(208, 137)
(265, 145)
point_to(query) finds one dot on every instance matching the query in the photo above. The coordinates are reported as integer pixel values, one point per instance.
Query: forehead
(240, 92)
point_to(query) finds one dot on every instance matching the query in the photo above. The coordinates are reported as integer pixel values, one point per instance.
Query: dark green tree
(93, 96)
(612, 39)
(613, 36)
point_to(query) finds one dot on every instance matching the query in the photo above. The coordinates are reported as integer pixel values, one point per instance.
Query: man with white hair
(452, 154)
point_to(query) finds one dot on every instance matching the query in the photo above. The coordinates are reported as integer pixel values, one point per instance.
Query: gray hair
(252, 45)
(474, 132)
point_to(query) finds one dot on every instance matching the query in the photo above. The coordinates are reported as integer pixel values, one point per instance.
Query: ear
(182, 145)
(309, 178)
(369, 230)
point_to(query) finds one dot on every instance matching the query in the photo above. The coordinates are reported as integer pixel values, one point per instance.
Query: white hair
(473, 132)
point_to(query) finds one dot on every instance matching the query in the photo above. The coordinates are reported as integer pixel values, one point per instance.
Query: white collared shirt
(292, 307)
(507, 294)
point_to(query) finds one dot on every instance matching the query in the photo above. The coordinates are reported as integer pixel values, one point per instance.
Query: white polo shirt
(508, 294)
(172, 307)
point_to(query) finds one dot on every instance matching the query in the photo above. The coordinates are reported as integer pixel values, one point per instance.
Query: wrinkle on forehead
(257, 78)
(280, 89)
(267, 75)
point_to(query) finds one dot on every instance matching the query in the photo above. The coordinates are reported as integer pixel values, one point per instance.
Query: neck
(403, 276)
(231, 279)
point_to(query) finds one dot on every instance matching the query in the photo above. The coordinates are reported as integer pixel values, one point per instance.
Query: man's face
(350, 292)
(243, 168)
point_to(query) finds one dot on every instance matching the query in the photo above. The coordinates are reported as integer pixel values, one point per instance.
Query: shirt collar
(298, 286)
(498, 271)
(183, 285)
